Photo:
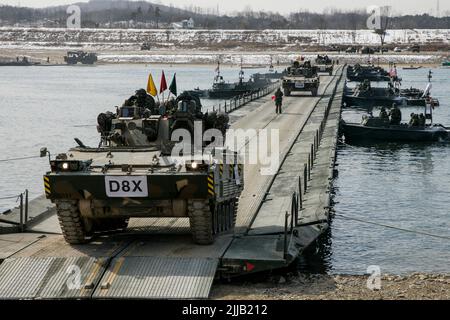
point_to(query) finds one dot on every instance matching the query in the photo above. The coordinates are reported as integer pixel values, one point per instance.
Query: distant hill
(144, 14)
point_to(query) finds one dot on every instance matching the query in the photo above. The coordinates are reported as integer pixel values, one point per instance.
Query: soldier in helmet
(422, 120)
(278, 100)
(383, 114)
(396, 115)
(144, 101)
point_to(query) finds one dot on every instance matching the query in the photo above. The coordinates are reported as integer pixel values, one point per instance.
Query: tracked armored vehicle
(75, 57)
(324, 64)
(360, 73)
(137, 171)
(301, 78)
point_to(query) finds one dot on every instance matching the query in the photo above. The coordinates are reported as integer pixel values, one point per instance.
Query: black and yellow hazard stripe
(48, 190)
(221, 169)
(211, 190)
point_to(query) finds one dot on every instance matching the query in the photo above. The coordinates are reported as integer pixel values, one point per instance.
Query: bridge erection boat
(374, 128)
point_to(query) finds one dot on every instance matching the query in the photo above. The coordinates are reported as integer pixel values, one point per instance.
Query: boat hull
(402, 133)
(227, 94)
(351, 101)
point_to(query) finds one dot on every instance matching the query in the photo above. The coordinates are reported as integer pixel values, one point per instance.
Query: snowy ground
(209, 46)
(263, 59)
(207, 37)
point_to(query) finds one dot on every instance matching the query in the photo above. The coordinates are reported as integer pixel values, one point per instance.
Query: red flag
(163, 83)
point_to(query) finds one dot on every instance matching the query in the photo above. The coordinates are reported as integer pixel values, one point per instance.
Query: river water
(398, 185)
(406, 186)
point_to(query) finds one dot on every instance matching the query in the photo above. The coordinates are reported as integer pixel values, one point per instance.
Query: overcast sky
(283, 6)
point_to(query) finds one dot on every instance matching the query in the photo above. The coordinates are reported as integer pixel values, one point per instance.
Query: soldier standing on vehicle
(278, 100)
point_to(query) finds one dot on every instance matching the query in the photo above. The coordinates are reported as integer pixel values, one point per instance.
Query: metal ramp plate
(10, 244)
(50, 278)
(157, 278)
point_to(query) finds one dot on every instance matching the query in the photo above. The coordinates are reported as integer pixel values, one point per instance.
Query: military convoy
(324, 64)
(75, 57)
(137, 171)
(301, 78)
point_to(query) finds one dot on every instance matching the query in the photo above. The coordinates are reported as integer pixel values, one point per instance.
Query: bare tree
(157, 16)
(385, 20)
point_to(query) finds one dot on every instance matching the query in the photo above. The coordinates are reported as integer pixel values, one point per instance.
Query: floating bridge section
(279, 216)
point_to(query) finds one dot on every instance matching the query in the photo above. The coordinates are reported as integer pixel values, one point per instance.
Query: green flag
(173, 85)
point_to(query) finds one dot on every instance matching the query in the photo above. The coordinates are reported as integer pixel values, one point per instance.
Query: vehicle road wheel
(200, 219)
(75, 228)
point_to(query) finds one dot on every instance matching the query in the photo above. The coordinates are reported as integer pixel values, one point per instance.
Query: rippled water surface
(400, 185)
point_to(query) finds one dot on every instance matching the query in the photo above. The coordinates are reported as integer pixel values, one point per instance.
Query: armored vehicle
(74, 57)
(324, 64)
(301, 77)
(138, 171)
(367, 72)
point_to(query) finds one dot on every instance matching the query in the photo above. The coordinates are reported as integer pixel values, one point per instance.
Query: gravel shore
(417, 286)
(210, 57)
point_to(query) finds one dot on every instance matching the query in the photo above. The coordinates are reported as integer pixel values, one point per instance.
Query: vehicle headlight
(69, 165)
(196, 166)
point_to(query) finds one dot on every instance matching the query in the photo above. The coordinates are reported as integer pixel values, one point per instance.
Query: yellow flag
(151, 88)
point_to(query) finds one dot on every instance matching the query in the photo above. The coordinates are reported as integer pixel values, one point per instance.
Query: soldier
(422, 120)
(411, 118)
(162, 109)
(396, 115)
(171, 106)
(144, 101)
(416, 121)
(222, 123)
(365, 85)
(278, 100)
(383, 114)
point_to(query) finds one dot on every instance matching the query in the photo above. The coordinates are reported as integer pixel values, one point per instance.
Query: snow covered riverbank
(204, 38)
(255, 47)
(262, 59)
